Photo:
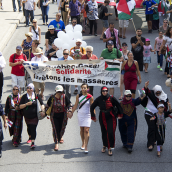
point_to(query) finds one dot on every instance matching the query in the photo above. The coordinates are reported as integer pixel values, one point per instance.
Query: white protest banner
(75, 72)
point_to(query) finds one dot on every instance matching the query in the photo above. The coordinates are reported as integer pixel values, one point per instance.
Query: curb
(5, 39)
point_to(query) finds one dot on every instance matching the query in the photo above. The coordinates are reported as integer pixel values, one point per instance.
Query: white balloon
(59, 53)
(70, 35)
(58, 42)
(66, 38)
(69, 28)
(72, 43)
(61, 34)
(78, 27)
(65, 46)
(84, 44)
(77, 35)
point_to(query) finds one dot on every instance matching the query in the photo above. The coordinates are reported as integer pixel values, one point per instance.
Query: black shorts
(149, 17)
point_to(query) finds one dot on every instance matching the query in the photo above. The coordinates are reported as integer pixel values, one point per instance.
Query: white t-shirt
(41, 59)
(29, 5)
(169, 42)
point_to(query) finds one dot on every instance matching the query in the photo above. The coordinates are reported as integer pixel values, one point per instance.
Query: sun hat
(38, 51)
(127, 92)
(58, 88)
(79, 40)
(147, 39)
(29, 34)
(51, 27)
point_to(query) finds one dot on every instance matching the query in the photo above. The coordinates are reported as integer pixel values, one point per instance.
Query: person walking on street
(107, 118)
(59, 109)
(17, 69)
(14, 5)
(28, 103)
(84, 100)
(14, 114)
(137, 43)
(2, 66)
(30, 7)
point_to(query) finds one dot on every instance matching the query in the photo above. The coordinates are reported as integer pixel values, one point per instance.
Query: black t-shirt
(114, 40)
(138, 51)
(65, 3)
(50, 51)
(50, 37)
(30, 112)
(105, 10)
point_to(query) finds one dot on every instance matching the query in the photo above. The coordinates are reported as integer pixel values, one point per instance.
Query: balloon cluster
(68, 40)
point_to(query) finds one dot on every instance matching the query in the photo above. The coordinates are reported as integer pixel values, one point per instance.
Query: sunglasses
(88, 51)
(165, 22)
(59, 92)
(65, 54)
(124, 45)
(29, 88)
(158, 93)
(59, 16)
(128, 96)
(33, 22)
(15, 89)
(104, 91)
(73, 22)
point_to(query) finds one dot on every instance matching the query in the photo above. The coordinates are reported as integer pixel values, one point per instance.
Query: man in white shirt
(30, 6)
(2, 65)
(39, 57)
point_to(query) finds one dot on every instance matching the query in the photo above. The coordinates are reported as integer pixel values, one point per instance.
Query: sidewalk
(9, 21)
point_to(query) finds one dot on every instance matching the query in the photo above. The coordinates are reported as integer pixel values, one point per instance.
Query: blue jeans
(27, 12)
(160, 59)
(14, 5)
(45, 10)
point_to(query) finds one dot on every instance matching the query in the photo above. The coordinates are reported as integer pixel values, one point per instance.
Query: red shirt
(18, 70)
(93, 57)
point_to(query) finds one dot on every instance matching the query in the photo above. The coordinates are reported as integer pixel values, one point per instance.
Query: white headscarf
(162, 96)
(33, 94)
(31, 86)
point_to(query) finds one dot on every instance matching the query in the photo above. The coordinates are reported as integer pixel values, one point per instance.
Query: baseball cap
(110, 43)
(58, 88)
(127, 92)
(147, 39)
(18, 47)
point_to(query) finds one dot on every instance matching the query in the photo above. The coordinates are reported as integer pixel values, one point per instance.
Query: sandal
(109, 152)
(56, 147)
(150, 148)
(104, 149)
(120, 36)
(61, 141)
(158, 154)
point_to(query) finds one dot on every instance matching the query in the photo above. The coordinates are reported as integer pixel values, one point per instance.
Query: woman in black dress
(28, 103)
(110, 109)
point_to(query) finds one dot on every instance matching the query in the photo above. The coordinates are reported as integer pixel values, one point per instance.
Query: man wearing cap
(111, 53)
(77, 52)
(39, 57)
(17, 72)
(66, 57)
(50, 36)
(57, 23)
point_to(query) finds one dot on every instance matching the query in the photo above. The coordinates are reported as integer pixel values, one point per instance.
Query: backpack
(101, 14)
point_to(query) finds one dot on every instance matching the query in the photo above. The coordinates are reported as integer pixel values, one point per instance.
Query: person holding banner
(110, 109)
(29, 105)
(131, 68)
(84, 100)
(14, 115)
(59, 110)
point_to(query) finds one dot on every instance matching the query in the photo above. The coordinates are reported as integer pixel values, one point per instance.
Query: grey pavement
(70, 157)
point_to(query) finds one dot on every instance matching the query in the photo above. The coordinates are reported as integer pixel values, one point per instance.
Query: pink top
(159, 42)
(146, 51)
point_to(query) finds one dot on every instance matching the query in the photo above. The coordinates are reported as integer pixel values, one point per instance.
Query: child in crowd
(146, 54)
(160, 121)
(158, 42)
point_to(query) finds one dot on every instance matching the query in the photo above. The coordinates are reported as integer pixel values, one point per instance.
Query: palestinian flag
(125, 9)
(162, 7)
(112, 66)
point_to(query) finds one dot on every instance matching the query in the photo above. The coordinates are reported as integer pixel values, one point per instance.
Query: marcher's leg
(14, 5)
(46, 13)
(124, 31)
(28, 131)
(95, 27)
(120, 31)
(158, 59)
(60, 126)
(32, 15)
(27, 17)
(122, 86)
(86, 136)
(20, 9)
(111, 92)
(78, 19)
(82, 136)
(91, 26)
(43, 14)
(161, 61)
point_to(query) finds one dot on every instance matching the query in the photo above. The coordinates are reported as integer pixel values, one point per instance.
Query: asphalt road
(70, 157)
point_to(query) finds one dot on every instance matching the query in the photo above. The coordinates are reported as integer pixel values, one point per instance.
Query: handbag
(163, 51)
(39, 110)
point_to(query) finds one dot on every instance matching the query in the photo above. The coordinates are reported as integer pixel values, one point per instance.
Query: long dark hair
(168, 32)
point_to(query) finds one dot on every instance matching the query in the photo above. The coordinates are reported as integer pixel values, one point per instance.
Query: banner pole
(134, 25)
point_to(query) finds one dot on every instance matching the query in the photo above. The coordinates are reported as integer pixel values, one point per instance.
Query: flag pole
(134, 25)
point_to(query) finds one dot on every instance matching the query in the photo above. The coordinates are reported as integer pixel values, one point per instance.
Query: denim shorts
(105, 23)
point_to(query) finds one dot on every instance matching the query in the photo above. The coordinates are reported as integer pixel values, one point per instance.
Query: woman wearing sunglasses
(128, 124)
(110, 109)
(150, 102)
(14, 114)
(59, 110)
(29, 105)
